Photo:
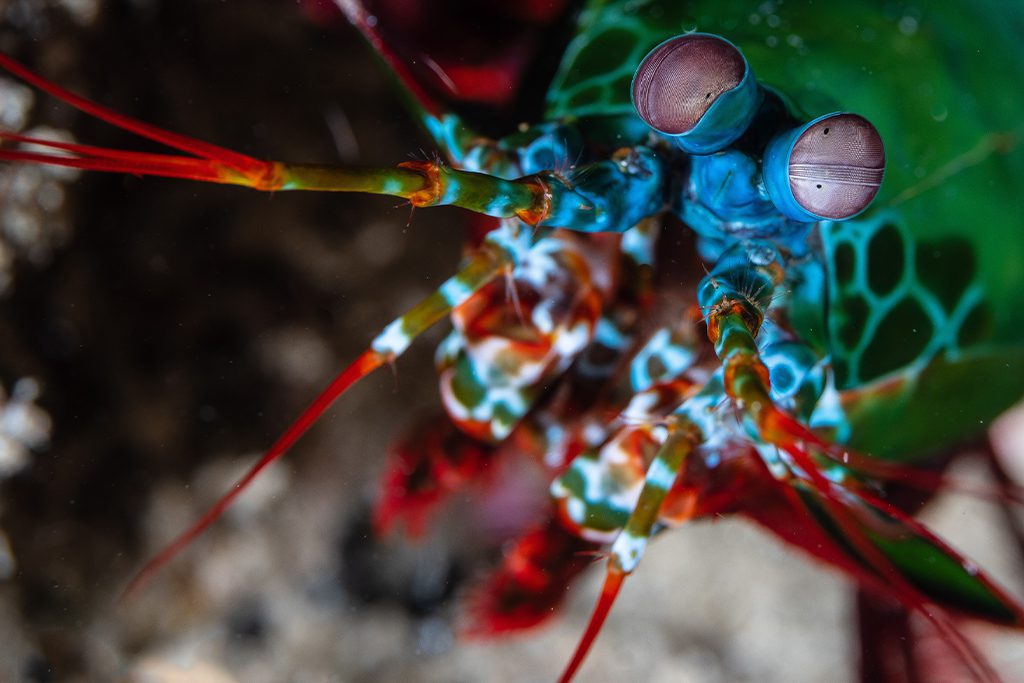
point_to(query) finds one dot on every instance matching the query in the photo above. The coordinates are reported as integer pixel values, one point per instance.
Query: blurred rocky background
(155, 335)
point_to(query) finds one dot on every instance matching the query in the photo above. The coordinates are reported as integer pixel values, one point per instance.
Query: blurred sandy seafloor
(173, 329)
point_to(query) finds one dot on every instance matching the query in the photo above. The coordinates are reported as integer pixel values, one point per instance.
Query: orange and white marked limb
(499, 251)
(628, 547)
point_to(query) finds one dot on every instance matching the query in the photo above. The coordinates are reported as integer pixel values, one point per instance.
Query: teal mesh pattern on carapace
(894, 302)
(598, 66)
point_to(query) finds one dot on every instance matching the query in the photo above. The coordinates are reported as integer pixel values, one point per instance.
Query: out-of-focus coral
(34, 15)
(24, 427)
(33, 220)
(32, 216)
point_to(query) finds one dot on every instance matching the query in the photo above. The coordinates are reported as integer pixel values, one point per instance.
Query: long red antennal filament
(359, 17)
(205, 150)
(91, 158)
(422, 183)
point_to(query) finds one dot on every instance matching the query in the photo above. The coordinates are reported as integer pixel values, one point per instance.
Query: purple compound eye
(678, 84)
(836, 166)
(830, 168)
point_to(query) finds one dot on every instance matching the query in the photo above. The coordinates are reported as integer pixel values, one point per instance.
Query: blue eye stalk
(828, 169)
(697, 89)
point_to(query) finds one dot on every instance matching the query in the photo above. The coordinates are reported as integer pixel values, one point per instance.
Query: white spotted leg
(629, 545)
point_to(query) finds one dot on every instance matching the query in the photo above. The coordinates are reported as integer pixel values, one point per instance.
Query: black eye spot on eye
(678, 82)
(844, 173)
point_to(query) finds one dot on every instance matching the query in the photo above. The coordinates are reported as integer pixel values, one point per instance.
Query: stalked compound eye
(830, 168)
(698, 89)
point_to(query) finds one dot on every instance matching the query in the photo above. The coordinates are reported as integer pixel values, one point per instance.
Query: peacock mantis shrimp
(798, 420)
